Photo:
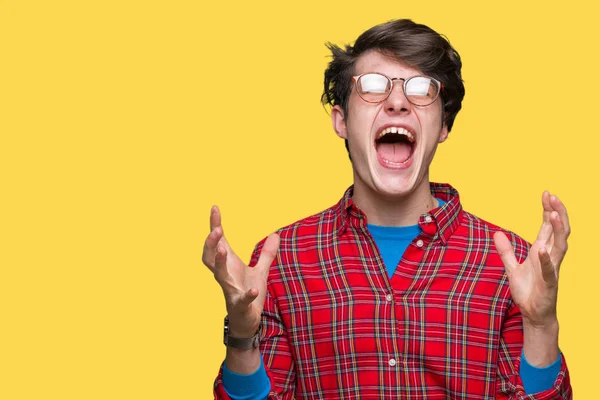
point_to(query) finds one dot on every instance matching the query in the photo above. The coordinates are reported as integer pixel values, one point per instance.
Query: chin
(403, 181)
(394, 186)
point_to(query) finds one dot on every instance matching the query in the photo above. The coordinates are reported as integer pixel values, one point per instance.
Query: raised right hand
(244, 287)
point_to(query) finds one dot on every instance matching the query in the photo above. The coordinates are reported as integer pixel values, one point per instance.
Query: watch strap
(240, 343)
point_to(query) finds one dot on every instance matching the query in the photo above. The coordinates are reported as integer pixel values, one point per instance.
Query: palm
(529, 290)
(534, 283)
(239, 278)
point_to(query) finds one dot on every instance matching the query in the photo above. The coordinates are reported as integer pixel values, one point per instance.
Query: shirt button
(392, 362)
(428, 218)
(389, 297)
(419, 243)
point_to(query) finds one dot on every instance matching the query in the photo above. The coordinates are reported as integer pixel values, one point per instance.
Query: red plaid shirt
(444, 326)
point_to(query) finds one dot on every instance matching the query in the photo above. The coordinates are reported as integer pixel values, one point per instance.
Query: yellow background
(122, 122)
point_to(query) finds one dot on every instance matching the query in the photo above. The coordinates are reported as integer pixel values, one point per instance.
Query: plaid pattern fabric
(335, 326)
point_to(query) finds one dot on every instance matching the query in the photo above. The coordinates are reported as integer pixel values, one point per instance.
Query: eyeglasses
(420, 90)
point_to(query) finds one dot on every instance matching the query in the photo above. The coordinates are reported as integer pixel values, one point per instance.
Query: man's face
(391, 165)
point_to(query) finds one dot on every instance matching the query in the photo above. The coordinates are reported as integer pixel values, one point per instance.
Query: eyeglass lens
(419, 90)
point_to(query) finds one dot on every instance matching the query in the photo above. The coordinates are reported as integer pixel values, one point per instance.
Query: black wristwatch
(239, 343)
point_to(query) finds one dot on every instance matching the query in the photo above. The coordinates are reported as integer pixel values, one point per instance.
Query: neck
(394, 211)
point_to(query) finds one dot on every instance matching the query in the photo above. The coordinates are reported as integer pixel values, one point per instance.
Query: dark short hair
(416, 45)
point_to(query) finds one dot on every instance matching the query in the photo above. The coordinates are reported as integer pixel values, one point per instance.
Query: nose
(397, 101)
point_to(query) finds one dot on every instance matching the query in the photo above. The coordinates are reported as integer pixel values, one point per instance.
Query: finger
(215, 217)
(268, 253)
(215, 222)
(220, 269)
(560, 246)
(545, 233)
(546, 206)
(210, 247)
(560, 207)
(249, 296)
(505, 251)
(548, 271)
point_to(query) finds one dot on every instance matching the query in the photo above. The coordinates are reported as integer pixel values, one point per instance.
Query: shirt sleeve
(274, 348)
(509, 384)
(537, 379)
(254, 386)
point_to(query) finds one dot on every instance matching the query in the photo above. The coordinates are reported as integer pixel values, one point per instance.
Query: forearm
(242, 361)
(513, 345)
(540, 343)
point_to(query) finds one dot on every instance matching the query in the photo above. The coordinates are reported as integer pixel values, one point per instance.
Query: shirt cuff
(254, 386)
(536, 379)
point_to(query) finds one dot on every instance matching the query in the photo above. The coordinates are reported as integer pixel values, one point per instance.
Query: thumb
(268, 253)
(505, 251)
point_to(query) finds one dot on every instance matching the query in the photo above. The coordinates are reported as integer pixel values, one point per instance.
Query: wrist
(546, 326)
(243, 355)
(540, 343)
(243, 324)
(239, 342)
(243, 331)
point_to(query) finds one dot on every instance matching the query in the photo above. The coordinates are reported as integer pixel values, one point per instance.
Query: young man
(396, 291)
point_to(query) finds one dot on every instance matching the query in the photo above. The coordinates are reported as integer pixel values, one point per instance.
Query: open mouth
(395, 146)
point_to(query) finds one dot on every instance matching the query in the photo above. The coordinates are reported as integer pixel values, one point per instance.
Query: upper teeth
(399, 131)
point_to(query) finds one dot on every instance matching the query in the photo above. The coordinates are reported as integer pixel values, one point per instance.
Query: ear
(443, 134)
(338, 121)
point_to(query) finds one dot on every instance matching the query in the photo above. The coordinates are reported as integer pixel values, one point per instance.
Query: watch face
(225, 330)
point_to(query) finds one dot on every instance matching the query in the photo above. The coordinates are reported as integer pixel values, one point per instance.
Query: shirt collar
(442, 223)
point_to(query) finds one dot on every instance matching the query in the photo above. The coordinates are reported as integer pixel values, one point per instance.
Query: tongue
(394, 152)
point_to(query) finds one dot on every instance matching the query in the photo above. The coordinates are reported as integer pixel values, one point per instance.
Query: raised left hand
(534, 283)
